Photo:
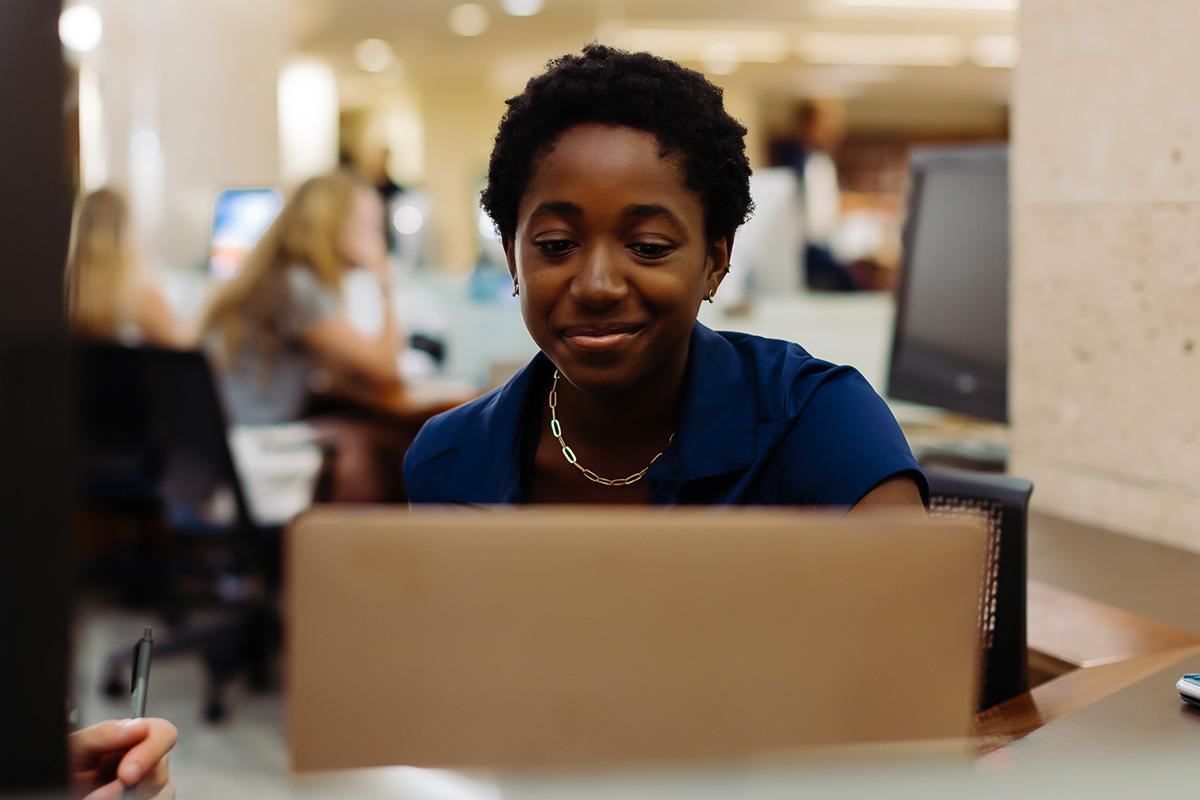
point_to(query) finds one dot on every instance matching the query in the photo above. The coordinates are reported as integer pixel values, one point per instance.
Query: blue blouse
(762, 422)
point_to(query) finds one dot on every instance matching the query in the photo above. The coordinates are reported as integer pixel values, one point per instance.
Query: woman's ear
(717, 265)
(510, 255)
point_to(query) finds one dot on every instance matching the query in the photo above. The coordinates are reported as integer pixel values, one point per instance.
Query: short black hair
(636, 90)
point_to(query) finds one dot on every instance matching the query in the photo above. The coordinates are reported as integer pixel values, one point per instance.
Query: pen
(140, 685)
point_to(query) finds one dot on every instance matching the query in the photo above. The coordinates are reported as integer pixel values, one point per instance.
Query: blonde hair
(306, 234)
(99, 264)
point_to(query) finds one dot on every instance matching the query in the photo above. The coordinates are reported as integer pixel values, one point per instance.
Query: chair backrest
(118, 457)
(201, 487)
(1002, 502)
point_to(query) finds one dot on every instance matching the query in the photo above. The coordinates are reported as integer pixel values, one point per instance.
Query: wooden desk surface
(1078, 632)
(1095, 651)
(410, 404)
(1145, 712)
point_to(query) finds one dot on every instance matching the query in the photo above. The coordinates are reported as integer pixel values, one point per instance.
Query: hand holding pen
(128, 758)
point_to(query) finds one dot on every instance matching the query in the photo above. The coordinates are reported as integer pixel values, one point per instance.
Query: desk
(1146, 713)
(1092, 651)
(408, 405)
(1085, 651)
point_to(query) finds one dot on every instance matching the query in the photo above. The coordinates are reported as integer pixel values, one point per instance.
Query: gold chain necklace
(569, 454)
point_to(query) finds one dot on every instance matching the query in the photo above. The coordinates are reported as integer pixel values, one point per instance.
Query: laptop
(581, 637)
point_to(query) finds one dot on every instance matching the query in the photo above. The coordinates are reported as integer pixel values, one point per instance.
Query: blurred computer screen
(950, 347)
(240, 218)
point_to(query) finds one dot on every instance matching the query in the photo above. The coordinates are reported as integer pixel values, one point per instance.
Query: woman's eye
(555, 247)
(648, 250)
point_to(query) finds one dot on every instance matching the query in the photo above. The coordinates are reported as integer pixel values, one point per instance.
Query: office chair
(117, 462)
(1002, 502)
(117, 473)
(204, 502)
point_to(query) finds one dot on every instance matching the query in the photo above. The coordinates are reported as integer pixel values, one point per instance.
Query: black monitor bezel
(906, 386)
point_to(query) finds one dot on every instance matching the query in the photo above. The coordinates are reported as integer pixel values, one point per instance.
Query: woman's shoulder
(300, 279)
(832, 438)
(444, 433)
(309, 299)
(145, 292)
(468, 450)
(786, 377)
(433, 469)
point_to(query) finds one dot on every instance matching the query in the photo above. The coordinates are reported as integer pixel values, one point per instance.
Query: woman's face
(362, 242)
(611, 258)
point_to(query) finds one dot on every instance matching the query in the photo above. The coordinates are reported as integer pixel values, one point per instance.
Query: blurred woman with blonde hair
(281, 320)
(109, 295)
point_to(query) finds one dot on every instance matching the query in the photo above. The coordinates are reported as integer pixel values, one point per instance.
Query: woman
(108, 295)
(281, 318)
(281, 323)
(617, 183)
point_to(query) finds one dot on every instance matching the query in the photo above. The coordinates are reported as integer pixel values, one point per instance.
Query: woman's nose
(600, 281)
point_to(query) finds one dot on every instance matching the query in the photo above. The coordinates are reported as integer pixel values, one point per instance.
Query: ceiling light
(721, 58)
(373, 55)
(995, 51)
(522, 8)
(469, 19)
(80, 28)
(923, 50)
(408, 220)
(935, 5)
(698, 44)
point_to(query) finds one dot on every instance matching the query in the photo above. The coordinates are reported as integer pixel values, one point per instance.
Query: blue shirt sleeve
(843, 443)
(423, 479)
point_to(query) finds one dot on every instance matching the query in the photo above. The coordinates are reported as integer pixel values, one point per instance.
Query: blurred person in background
(816, 131)
(281, 325)
(110, 295)
(388, 190)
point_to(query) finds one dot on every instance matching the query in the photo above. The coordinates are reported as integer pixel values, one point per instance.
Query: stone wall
(1105, 380)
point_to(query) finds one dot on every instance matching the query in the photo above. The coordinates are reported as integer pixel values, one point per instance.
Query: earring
(516, 290)
(709, 297)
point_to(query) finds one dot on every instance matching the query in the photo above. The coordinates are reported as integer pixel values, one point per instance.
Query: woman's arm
(375, 357)
(157, 321)
(897, 492)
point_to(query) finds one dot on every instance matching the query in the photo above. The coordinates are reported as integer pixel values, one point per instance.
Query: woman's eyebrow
(561, 207)
(648, 210)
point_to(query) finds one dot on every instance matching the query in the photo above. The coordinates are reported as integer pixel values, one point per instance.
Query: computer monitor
(241, 217)
(950, 344)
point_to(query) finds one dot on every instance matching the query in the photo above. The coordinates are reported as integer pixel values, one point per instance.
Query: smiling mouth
(610, 336)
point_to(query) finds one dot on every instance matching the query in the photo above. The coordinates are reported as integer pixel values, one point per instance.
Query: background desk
(410, 404)
(407, 405)
(1111, 653)
(1083, 652)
